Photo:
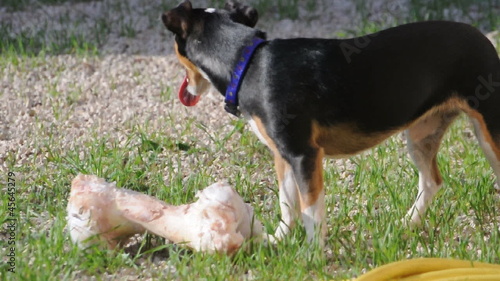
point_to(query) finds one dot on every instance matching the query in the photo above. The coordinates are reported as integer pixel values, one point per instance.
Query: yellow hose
(433, 269)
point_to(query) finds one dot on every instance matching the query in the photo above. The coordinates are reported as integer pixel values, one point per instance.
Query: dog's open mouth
(185, 96)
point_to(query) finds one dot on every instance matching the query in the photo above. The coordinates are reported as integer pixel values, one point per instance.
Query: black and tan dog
(311, 98)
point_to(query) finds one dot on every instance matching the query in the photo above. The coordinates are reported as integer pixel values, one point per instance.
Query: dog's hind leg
(484, 111)
(423, 140)
(488, 142)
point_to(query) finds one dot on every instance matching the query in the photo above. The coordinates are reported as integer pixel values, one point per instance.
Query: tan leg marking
(315, 184)
(490, 148)
(482, 128)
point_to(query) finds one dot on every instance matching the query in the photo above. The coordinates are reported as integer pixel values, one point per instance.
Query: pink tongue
(185, 96)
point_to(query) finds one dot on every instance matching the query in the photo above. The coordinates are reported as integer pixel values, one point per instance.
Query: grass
(481, 14)
(16, 5)
(366, 195)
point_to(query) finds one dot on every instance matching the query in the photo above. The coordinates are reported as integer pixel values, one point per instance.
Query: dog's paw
(269, 239)
(410, 221)
(243, 14)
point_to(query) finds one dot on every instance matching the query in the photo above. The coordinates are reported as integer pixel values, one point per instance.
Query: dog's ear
(178, 19)
(242, 14)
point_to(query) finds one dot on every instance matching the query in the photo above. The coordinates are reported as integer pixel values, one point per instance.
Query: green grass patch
(484, 15)
(17, 5)
(28, 43)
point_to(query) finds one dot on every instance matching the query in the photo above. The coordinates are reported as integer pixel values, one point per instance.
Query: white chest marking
(204, 75)
(210, 10)
(256, 131)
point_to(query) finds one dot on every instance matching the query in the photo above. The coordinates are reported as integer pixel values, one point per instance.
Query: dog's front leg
(288, 197)
(308, 174)
(288, 190)
(299, 168)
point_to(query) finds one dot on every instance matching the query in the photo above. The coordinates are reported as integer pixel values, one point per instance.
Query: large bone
(99, 212)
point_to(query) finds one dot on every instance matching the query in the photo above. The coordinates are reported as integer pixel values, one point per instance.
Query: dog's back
(385, 80)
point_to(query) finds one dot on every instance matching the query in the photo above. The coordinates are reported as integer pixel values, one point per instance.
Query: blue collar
(238, 74)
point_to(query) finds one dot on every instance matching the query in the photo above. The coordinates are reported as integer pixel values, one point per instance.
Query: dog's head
(191, 27)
